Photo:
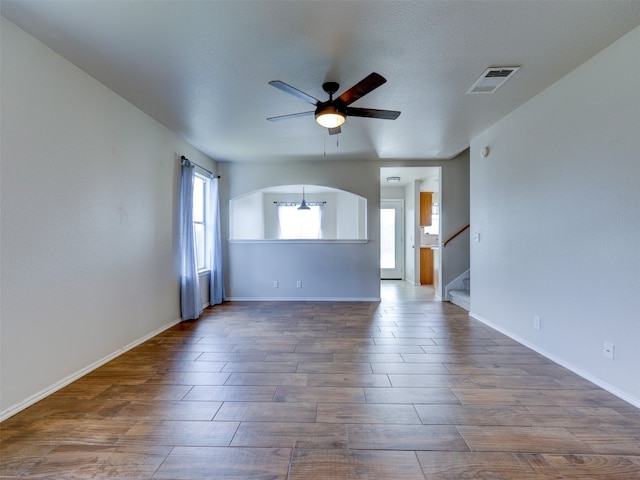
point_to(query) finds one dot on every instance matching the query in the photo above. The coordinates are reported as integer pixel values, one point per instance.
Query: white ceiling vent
(492, 78)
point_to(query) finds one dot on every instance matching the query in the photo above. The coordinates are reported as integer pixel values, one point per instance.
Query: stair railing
(455, 235)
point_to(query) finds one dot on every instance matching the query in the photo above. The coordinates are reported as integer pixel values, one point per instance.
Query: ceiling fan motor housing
(330, 88)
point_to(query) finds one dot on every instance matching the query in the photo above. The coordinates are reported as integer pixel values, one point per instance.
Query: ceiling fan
(334, 112)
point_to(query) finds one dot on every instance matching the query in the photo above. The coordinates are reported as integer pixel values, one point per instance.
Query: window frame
(205, 265)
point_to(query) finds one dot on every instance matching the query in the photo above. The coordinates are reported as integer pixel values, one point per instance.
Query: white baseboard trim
(578, 371)
(9, 412)
(302, 299)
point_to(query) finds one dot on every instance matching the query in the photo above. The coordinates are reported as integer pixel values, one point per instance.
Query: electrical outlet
(608, 349)
(275, 284)
(299, 284)
(537, 323)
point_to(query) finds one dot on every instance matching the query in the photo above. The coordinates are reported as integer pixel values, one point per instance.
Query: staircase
(462, 297)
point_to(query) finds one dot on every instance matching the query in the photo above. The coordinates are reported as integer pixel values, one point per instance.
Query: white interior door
(391, 239)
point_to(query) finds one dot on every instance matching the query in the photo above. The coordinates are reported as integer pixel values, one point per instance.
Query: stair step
(462, 298)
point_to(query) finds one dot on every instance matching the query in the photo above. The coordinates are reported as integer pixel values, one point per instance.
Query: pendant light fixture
(303, 205)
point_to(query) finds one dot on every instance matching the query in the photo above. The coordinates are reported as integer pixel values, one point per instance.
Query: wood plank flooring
(405, 389)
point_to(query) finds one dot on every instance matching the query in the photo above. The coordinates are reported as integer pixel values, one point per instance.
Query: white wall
(249, 212)
(346, 214)
(409, 229)
(412, 232)
(89, 194)
(454, 215)
(557, 207)
(392, 193)
(329, 270)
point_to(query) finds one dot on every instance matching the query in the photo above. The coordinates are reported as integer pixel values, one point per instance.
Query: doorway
(391, 239)
(406, 184)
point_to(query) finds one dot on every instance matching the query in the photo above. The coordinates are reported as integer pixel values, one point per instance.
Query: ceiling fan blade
(291, 115)
(373, 113)
(334, 131)
(360, 89)
(294, 91)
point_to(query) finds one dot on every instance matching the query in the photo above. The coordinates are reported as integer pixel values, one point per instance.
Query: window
(200, 190)
(296, 223)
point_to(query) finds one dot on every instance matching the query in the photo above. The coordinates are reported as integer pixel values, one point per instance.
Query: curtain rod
(185, 159)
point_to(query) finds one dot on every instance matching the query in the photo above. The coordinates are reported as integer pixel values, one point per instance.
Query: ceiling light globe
(330, 117)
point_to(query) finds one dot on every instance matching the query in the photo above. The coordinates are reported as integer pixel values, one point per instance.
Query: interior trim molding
(300, 240)
(578, 371)
(36, 397)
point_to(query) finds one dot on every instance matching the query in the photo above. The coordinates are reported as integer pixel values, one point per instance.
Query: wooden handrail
(456, 234)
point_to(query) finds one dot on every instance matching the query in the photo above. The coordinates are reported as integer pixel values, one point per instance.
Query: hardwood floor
(405, 389)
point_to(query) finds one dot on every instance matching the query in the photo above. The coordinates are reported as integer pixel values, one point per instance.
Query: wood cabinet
(426, 202)
(436, 270)
(426, 266)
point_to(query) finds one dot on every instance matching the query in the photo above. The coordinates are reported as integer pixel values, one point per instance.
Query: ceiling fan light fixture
(331, 114)
(330, 117)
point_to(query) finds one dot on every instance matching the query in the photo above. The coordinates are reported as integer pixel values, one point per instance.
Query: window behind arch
(296, 223)
(272, 214)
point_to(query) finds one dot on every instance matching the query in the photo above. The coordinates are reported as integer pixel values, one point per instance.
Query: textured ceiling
(201, 68)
